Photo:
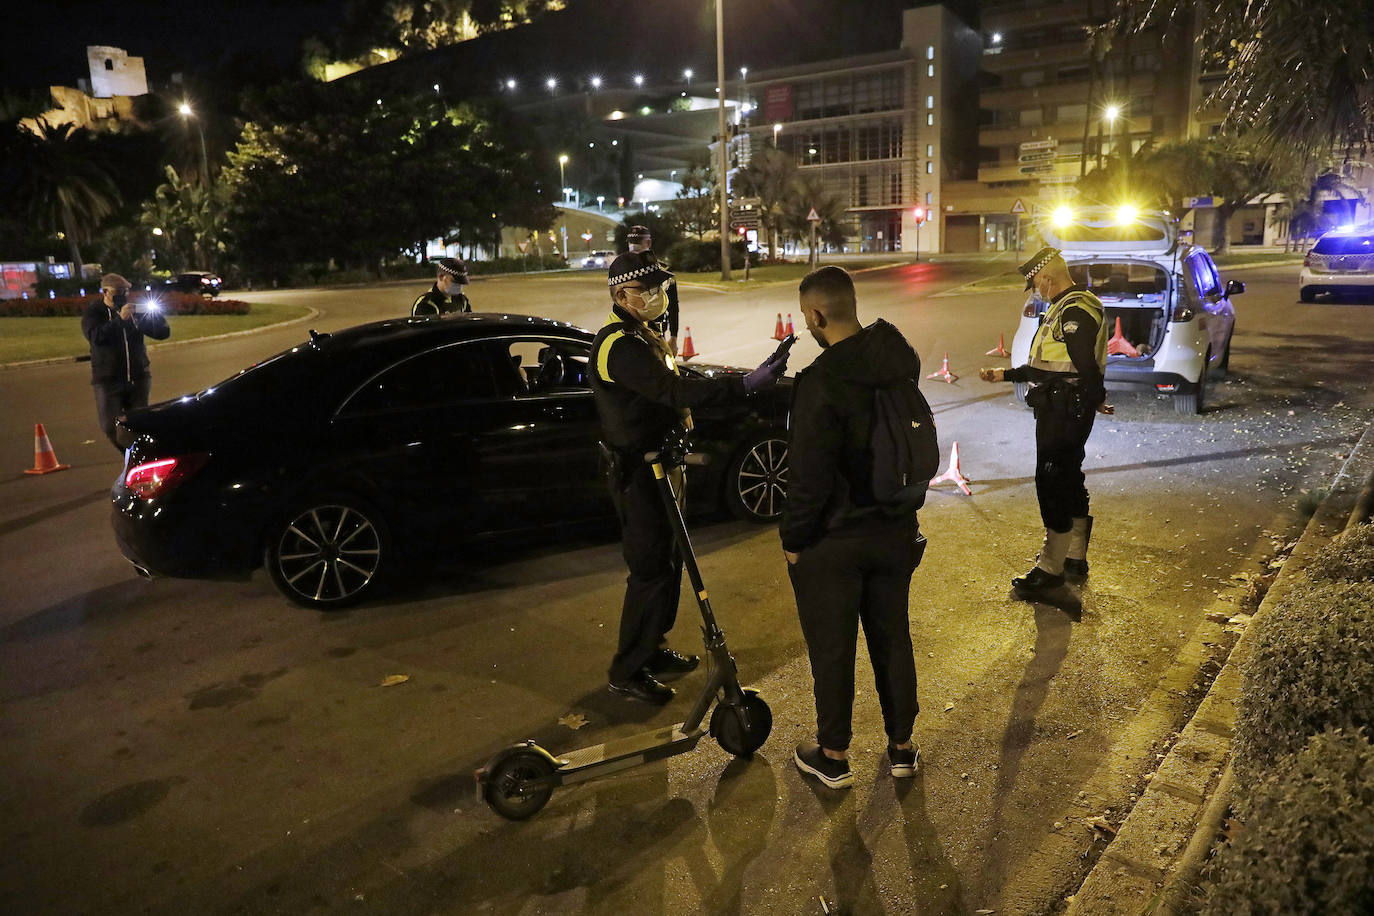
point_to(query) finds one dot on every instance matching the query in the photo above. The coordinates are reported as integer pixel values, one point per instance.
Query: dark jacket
(434, 302)
(638, 398)
(830, 461)
(117, 350)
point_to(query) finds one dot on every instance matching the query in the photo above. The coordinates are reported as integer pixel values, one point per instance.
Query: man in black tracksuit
(446, 295)
(640, 398)
(115, 328)
(1065, 371)
(850, 558)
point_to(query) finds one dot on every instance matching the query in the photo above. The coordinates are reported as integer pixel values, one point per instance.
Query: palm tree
(768, 176)
(61, 184)
(190, 217)
(809, 191)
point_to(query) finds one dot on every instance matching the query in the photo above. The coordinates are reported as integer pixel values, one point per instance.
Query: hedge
(691, 256)
(1312, 669)
(1308, 845)
(1348, 557)
(75, 306)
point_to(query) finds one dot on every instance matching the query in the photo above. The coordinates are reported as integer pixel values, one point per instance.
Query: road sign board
(1042, 155)
(523, 246)
(1058, 179)
(1038, 144)
(1018, 207)
(813, 216)
(1038, 168)
(1201, 203)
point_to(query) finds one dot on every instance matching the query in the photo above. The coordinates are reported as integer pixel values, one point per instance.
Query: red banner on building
(777, 103)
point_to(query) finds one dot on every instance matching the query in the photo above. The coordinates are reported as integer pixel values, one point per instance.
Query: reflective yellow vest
(1048, 349)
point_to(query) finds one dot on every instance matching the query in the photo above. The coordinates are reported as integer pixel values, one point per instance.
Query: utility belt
(1062, 397)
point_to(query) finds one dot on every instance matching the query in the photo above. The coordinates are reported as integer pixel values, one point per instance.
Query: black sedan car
(329, 462)
(199, 282)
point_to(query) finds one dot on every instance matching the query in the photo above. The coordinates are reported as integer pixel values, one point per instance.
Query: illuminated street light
(562, 161)
(436, 87)
(639, 79)
(1111, 113)
(157, 230)
(777, 129)
(510, 84)
(743, 72)
(185, 110)
(600, 199)
(551, 83)
(596, 82)
(997, 38)
(687, 74)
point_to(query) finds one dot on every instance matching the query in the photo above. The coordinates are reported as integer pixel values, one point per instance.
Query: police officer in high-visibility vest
(1068, 357)
(446, 295)
(640, 398)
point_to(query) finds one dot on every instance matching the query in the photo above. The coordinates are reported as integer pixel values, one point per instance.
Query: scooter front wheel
(518, 785)
(730, 731)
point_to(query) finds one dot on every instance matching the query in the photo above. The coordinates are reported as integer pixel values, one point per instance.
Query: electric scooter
(518, 781)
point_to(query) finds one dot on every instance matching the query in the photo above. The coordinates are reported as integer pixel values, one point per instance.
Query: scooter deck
(603, 759)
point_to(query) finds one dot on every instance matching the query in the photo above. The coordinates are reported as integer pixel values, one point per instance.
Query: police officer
(446, 295)
(640, 398)
(639, 239)
(1068, 357)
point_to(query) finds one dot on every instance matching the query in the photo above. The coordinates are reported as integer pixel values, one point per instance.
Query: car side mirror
(1234, 287)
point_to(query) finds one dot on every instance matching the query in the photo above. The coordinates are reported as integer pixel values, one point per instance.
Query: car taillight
(1166, 387)
(1181, 313)
(152, 479)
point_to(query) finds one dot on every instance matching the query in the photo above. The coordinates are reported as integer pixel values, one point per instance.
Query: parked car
(332, 459)
(1342, 261)
(1167, 310)
(598, 259)
(194, 281)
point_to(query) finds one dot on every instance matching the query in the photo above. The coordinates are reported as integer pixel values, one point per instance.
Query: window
(930, 52)
(109, 64)
(930, 120)
(930, 149)
(449, 375)
(930, 167)
(1071, 113)
(930, 101)
(1031, 117)
(930, 69)
(548, 365)
(1032, 78)
(928, 198)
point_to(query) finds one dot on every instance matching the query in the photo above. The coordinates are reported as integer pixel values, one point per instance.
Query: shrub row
(1302, 757)
(691, 255)
(75, 306)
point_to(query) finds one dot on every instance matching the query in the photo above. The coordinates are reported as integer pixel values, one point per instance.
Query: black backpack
(906, 454)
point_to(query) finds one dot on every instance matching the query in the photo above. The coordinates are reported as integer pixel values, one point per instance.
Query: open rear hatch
(1135, 297)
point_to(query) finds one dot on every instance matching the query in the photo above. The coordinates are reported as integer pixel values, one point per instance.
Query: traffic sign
(1038, 144)
(1042, 155)
(813, 216)
(1201, 203)
(1038, 168)
(1059, 179)
(1018, 207)
(523, 246)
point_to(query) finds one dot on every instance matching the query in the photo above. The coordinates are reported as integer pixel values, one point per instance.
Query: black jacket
(117, 350)
(830, 461)
(434, 302)
(638, 397)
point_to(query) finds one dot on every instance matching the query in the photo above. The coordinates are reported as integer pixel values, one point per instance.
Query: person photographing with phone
(640, 397)
(115, 329)
(1068, 357)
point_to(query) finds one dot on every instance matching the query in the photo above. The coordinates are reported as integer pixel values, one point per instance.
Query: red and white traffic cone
(688, 351)
(1118, 345)
(789, 325)
(943, 372)
(1001, 348)
(44, 458)
(778, 332)
(954, 475)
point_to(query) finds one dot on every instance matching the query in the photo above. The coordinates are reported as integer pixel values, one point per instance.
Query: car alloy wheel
(756, 486)
(328, 554)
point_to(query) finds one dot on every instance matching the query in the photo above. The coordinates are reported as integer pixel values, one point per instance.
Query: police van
(1169, 316)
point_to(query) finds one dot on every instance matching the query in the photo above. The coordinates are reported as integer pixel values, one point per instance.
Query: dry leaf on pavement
(391, 680)
(573, 720)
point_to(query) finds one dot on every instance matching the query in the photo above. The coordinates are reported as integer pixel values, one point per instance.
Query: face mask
(651, 303)
(119, 299)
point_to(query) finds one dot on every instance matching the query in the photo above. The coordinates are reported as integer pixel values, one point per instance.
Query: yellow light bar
(1062, 217)
(1126, 214)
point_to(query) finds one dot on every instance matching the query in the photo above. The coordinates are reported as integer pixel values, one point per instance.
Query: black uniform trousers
(839, 583)
(115, 399)
(1060, 487)
(655, 581)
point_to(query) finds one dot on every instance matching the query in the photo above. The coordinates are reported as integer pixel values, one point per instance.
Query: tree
(55, 177)
(809, 191)
(190, 217)
(693, 212)
(768, 176)
(325, 172)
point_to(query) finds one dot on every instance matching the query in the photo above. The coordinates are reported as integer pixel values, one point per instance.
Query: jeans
(115, 399)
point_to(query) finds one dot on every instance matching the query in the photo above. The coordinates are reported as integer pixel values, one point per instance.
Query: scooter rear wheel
(519, 785)
(732, 735)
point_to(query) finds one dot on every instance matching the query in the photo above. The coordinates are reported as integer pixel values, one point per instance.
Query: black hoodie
(829, 486)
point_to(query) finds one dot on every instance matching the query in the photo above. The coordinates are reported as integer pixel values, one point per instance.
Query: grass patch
(768, 274)
(1242, 258)
(23, 339)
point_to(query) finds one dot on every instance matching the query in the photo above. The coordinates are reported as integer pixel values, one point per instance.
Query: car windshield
(1118, 281)
(1345, 244)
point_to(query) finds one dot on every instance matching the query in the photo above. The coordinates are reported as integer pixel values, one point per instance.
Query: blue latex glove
(767, 373)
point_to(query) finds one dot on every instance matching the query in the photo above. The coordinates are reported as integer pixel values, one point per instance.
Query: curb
(1152, 864)
(58, 360)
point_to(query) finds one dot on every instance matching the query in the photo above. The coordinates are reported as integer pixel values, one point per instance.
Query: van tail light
(152, 479)
(1182, 313)
(1166, 387)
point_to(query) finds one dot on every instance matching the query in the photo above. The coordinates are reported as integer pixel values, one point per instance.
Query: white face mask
(652, 302)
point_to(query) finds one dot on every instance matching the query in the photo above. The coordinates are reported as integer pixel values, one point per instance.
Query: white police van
(1168, 314)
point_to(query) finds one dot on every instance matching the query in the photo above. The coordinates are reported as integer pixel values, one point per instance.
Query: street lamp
(596, 82)
(687, 75)
(600, 199)
(551, 83)
(639, 79)
(777, 129)
(510, 84)
(722, 161)
(185, 110)
(1109, 114)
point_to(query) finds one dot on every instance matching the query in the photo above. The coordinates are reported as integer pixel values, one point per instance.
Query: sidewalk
(1152, 864)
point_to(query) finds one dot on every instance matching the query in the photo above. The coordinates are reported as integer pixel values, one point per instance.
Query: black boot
(1036, 584)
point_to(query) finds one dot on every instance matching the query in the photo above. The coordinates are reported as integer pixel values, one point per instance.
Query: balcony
(1004, 19)
(1052, 93)
(1015, 135)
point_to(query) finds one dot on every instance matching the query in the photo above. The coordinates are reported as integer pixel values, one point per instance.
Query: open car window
(549, 365)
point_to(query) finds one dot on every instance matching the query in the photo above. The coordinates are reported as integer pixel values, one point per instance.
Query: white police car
(1342, 261)
(1169, 317)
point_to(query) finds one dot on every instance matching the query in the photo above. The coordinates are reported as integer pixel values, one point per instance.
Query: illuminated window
(930, 167)
(930, 149)
(928, 198)
(930, 101)
(930, 69)
(930, 120)
(930, 52)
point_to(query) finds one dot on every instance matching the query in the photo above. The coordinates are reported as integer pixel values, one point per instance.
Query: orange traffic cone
(688, 351)
(44, 458)
(1118, 345)
(789, 324)
(954, 475)
(778, 332)
(943, 372)
(1001, 348)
